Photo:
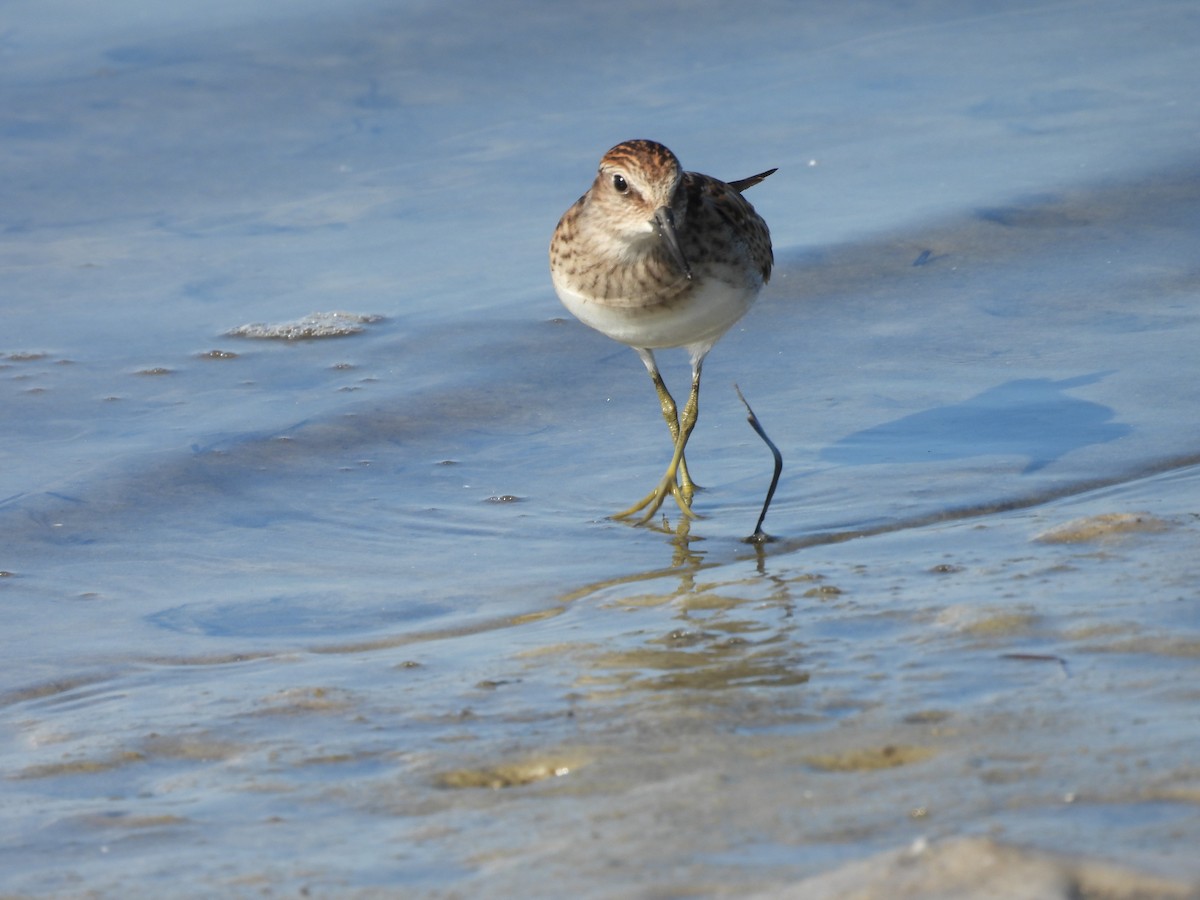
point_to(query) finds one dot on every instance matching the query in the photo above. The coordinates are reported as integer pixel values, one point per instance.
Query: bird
(657, 257)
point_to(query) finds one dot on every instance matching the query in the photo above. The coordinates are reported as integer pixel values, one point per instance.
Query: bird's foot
(686, 484)
(653, 501)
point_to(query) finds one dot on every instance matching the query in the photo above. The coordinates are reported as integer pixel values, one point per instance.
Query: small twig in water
(1039, 657)
(760, 536)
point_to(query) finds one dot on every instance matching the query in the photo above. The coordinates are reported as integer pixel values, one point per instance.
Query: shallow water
(345, 614)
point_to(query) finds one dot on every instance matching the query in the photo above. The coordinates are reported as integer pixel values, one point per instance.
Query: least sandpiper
(657, 257)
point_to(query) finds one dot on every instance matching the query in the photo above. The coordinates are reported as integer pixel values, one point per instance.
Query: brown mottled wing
(708, 196)
(742, 183)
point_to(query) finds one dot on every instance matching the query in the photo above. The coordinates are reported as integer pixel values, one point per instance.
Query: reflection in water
(685, 563)
(731, 632)
(1031, 417)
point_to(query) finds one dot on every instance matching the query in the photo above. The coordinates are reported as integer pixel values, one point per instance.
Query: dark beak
(664, 219)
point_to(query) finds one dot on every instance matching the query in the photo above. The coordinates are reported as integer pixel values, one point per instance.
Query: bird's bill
(664, 221)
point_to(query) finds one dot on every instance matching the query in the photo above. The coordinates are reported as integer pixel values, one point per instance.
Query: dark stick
(760, 536)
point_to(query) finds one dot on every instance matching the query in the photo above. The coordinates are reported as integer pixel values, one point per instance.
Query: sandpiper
(657, 257)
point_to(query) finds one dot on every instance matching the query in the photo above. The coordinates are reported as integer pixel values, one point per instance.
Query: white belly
(699, 317)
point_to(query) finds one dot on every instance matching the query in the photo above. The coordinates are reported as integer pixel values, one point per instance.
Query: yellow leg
(670, 483)
(686, 485)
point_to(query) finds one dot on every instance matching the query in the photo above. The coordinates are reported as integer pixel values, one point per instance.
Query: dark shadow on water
(1030, 417)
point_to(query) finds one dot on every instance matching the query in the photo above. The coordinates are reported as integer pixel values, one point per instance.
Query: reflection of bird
(656, 257)
(1030, 417)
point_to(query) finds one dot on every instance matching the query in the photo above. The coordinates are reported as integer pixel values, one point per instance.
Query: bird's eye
(620, 184)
